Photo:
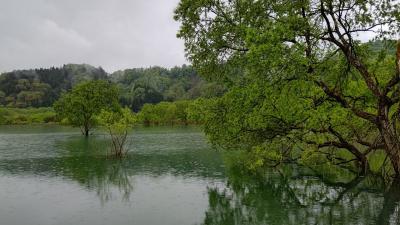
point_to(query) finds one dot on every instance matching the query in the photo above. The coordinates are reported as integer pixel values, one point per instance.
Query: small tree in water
(117, 123)
(86, 100)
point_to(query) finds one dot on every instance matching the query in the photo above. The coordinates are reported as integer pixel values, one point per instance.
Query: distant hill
(41, 87)
(156, 84)
(389, 46)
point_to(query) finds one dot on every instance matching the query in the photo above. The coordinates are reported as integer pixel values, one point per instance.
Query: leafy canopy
(86, 100)
(118, 124)
(301, 86)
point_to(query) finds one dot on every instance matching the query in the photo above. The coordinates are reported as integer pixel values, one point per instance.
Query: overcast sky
(114, 34)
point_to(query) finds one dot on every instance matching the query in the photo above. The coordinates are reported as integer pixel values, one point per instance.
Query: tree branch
(339, 98)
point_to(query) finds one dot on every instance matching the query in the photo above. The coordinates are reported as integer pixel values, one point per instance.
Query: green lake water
(51, 175)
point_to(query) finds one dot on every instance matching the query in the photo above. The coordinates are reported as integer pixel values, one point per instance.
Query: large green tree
(85, 101)
(301, 82)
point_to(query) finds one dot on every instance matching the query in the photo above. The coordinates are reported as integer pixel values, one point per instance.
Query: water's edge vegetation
(163, 113)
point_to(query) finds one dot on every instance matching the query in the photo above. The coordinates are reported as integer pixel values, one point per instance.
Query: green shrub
(167, 113)
(27, 116)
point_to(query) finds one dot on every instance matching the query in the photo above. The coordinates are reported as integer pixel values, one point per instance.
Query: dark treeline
(42, 87)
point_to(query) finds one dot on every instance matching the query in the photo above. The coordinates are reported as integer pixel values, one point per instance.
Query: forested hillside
(156, 84)
(41, 87)
(388, 46)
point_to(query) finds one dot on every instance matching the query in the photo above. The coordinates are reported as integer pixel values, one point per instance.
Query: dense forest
(157, 84)
(41, 87)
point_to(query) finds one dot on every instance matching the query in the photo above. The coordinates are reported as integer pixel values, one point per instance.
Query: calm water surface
(51, 175)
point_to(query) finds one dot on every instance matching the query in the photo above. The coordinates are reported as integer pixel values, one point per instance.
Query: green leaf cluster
(86, 100)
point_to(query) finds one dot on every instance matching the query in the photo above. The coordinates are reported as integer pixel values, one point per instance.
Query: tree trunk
(86, 130)
(392, 148)
(390, 139)
(86, 133)
(364, 166)
(86, 126)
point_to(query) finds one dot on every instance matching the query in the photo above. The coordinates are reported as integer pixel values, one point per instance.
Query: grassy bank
(10, 116)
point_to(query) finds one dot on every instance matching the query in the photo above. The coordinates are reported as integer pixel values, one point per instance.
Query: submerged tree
(118, 125)
(301, 84)
(85, 102)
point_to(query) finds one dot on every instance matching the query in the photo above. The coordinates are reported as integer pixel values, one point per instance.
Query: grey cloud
(114, 34)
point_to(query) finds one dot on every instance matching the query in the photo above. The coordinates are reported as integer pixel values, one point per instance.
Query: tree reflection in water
(288, 197)
(93, 170)
(84, 161)
(108, 177)
(291, 195)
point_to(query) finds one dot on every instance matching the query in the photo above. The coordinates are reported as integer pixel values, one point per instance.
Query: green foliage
(2, 98)
(155, 84)
(115, 120)
(117, 124)
(85, 102)
(168, 113)
(301, 88)
(41, 87)
(27, 116)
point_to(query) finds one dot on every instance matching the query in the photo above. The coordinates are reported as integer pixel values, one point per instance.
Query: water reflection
(107, 177)
(390, 212)
(85, 161)
(294, 196)
(178, 167)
